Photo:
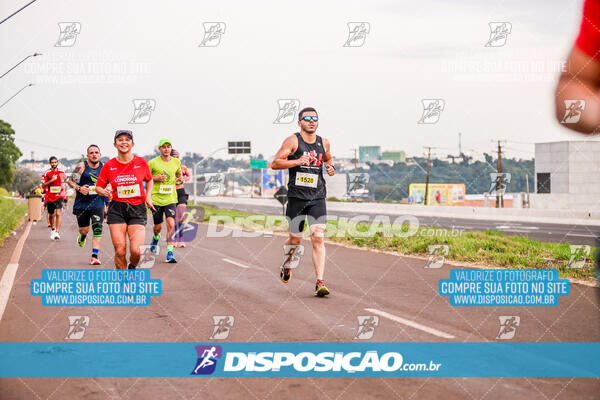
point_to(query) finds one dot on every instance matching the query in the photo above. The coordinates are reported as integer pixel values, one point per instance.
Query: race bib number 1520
(307, 180)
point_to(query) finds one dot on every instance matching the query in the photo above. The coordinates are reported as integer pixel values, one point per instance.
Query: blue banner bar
(301, 359)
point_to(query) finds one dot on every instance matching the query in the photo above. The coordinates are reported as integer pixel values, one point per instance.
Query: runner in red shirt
(127, 213)
(44, 198)
(581, 79)
(53, 179)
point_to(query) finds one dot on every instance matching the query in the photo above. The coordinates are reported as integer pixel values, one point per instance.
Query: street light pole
(20, 62)
(195, 182)
(14, 95)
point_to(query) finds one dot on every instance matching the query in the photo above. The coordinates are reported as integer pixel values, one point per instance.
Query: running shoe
(154, 245)
(80, 242)
(181, 244)
(171, 258)
(285, 274)
(320, 288)
(52, 234)
(95, 260)
(56, 235)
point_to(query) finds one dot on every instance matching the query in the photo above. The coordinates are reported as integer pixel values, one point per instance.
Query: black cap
(123, 132)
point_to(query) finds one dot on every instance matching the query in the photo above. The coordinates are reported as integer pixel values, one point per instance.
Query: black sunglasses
(308, 118)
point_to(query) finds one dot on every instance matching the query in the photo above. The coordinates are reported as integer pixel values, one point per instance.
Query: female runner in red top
(127, 213)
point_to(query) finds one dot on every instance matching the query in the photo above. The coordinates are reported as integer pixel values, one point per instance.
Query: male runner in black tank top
(305, 154)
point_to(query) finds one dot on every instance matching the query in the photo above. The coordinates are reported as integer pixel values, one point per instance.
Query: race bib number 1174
(125, 192)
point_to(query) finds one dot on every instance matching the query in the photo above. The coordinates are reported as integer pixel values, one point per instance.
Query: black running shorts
(86, 217)
(54, 205)
(182, 196)
(168, 211)
(297, 210)
(124, 213)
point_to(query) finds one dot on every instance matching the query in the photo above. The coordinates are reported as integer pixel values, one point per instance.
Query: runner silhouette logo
(207, 359)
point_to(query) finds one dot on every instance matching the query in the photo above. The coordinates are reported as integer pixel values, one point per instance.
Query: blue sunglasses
(308, 118)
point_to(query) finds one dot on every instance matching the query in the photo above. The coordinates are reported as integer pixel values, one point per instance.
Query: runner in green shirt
(164, 169)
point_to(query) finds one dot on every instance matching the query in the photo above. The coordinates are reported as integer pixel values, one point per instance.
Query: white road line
(8, 278)
(235, 263)
(516, 227)
(410, 323)
(580, 234)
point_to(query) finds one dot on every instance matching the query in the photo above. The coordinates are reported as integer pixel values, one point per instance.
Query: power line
(48, 146)
(19, 10)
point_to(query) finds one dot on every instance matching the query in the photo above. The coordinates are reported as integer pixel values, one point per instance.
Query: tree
(25, 181)
(9, 153)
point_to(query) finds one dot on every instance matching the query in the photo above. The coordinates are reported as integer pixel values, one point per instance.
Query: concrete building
(566, 176)
(369, 153)
(395, 156)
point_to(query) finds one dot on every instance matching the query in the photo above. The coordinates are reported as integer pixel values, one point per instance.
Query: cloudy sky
(205, 95)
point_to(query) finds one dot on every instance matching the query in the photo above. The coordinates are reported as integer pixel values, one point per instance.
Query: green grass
(492, 249)
(210, 211)
(489, 248)
(11, 216)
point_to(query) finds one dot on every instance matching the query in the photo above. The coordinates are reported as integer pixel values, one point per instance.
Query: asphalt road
(239, 277)
(555, 233)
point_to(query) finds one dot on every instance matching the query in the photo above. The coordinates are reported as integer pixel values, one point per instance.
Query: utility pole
(499, 196)
(427, 177)
(527, 184)
(459, 144)
(356, 172)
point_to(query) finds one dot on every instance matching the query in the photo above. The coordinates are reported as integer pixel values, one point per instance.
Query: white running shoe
(52, 234)
(56, 236)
